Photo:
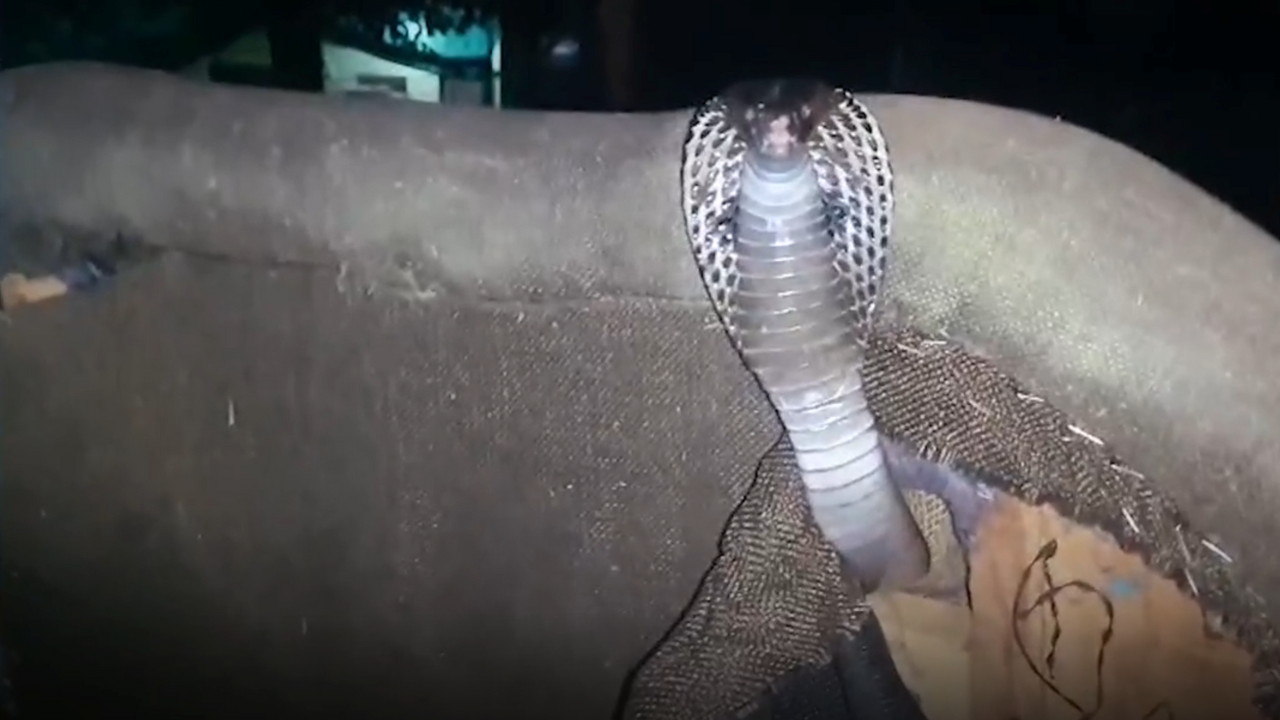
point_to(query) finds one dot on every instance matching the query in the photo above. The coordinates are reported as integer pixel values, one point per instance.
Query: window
(385, 84)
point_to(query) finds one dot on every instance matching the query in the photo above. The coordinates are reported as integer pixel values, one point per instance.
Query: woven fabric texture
(774, 601)
(423, 410)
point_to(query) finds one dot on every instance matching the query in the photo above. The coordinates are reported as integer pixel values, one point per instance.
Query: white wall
(344, 66)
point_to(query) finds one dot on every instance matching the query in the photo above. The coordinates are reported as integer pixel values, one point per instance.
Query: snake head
(776, 117)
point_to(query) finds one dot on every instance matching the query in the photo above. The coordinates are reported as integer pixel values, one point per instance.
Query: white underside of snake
(788, 204)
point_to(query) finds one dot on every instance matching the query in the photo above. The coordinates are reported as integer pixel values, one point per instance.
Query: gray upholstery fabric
(429, 399)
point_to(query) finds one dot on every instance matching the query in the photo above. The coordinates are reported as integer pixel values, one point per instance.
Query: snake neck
(796, 330)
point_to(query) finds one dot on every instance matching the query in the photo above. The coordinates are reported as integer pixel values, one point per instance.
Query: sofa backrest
(426, 405)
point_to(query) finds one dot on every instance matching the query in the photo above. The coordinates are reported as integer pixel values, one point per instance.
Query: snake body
(787, 194)
(788, 203)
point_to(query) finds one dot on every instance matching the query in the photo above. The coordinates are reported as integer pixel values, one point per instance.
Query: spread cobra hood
(392, 357)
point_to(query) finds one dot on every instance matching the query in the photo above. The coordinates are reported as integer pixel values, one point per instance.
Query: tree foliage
(457, 15)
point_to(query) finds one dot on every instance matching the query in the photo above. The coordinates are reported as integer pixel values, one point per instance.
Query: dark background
(1193, 84)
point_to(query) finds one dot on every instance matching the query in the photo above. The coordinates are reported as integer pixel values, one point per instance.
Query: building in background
(401, 57)
(246, 61)
(398, 58)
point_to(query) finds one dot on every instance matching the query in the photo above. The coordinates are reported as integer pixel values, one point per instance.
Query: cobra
(787, 196)
(788, 202)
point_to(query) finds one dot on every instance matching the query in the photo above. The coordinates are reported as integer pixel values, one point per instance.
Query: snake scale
(788, 203)
(788, 200)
